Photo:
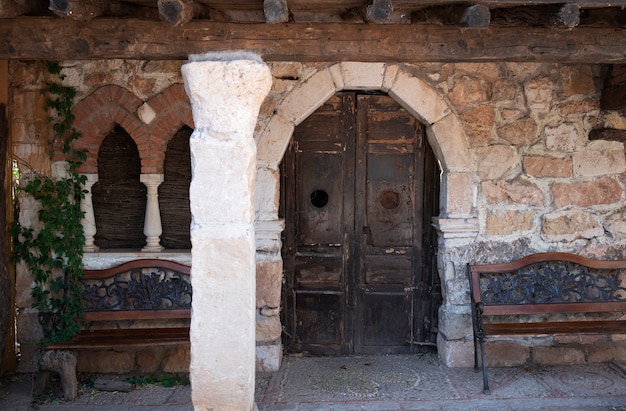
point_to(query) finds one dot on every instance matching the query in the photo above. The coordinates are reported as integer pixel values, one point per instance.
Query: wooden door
(353, 196)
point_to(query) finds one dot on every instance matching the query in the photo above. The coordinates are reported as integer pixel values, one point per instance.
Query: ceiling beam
(28, 38)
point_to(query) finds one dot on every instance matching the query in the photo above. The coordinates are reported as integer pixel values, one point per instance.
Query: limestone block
(419, 98)
(577, 79)
(479, 123)
(544, 166)
(562, 138)
(455, 323)
(362, 76)
(273, 141)
(570, 225)
(266, 193)
(269, 276)
(457, 194)
(605, 190)
(269, 357)
(505, 353)
(268, 329)
(508, 222)
(519, 133)
(450, 144)
(391, 71)
(307, 98)
(497, 162)
(286, 70)
(217, 176)
(582, 107)
(606, 353)
(106, 362)
(558, 355)
(599, 158)
(616, 225)
(468, 90)
(455, 353)
(177, 359)
(514, 192)
(149, 360)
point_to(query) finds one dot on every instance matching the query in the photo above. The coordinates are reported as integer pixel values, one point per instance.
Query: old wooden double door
(360, 185)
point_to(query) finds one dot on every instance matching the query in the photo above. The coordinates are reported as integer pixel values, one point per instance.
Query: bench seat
(539, 295)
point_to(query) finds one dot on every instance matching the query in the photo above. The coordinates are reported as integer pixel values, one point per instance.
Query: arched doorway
(360, 185)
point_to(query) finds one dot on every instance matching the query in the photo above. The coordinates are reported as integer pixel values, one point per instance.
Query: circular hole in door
(389, 199)
(319, 198)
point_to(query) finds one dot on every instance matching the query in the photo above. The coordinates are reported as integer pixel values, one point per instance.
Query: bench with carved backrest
(516, 298)
(148, 292)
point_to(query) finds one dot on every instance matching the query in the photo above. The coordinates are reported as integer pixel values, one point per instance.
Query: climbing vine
(53, 252)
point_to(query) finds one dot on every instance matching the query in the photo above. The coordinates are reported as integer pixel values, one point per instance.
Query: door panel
(353, 202)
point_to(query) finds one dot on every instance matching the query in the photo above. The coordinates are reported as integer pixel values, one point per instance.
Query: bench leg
(63, 363)
(482, 356)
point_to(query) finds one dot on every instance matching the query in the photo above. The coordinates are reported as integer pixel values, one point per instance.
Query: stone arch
(172, 110)
(97, 114)
(444, 130)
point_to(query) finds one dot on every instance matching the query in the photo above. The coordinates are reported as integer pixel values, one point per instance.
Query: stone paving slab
(372, 383)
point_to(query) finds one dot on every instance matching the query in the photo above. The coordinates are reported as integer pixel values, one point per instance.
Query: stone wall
(531, 180)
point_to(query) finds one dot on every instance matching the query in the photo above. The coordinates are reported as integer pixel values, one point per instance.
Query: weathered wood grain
(50, 38)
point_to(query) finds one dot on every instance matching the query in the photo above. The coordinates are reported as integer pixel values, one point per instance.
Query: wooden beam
(15, 8)
(276, 11)
(178, 12)
(567, 17)
(81, 10)
(379, 11)
(35, 38)
(477, 16)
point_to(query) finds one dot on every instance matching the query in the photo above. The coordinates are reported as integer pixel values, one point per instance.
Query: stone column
(89, 220)
(152, 227)
(226, 91)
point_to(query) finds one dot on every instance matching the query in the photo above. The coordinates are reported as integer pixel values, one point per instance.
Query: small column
(89, 220)
(226, 91)
(152, 227)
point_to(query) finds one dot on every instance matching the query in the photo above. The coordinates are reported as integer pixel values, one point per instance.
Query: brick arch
(97, 114)
(172, 111)
(444, 129)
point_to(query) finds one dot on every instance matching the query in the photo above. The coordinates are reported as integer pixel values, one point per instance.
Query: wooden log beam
(567, 17)
(15, 8)
(178, 12)
(610, 134)
(379, 11)
(276, 11)
(35, 38)
(477, 16)
(82, 10)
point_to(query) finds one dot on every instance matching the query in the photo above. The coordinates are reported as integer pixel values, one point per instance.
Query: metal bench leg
(482, 355)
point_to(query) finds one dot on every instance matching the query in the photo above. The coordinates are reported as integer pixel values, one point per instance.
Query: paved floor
(385, 383)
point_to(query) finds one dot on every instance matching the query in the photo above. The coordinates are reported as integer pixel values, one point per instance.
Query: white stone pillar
(226, 91)
(89, 220)
(152, 227)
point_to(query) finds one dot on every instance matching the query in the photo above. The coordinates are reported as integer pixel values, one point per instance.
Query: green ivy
(54, 254)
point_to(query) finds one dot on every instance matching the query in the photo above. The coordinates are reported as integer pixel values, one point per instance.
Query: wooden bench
(515, 298)
(152, 291)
